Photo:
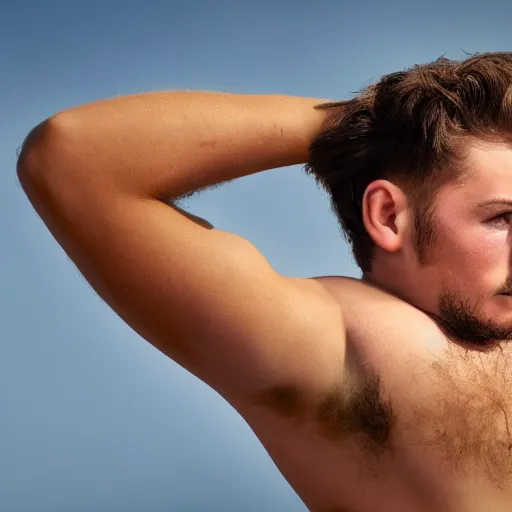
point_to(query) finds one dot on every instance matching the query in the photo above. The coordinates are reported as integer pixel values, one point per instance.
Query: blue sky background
(93, 418)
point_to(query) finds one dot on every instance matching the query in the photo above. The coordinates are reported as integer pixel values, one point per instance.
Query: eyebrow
(496, 201)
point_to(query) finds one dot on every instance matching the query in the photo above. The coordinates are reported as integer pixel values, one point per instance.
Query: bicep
(206, 298)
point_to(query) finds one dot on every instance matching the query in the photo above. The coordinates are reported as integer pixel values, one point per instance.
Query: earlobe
(381, 210)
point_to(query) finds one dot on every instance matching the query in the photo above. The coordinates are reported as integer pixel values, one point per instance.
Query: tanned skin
(364, 392)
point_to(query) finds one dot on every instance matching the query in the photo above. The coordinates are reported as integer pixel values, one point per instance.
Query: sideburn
(425, 233)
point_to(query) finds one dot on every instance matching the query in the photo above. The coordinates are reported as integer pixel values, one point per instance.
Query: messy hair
(411, 128)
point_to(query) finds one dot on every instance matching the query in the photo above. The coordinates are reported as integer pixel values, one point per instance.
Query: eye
(502, 218)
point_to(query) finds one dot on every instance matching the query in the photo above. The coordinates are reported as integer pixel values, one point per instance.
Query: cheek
(479, 249)
(493, 246)
(485, 256)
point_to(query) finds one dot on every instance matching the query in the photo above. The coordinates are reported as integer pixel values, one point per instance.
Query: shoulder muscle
(206, 298)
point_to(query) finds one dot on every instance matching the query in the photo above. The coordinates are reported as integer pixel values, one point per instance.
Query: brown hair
(409, 129)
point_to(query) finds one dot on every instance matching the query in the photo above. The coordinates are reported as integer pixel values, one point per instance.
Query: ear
(384, 212)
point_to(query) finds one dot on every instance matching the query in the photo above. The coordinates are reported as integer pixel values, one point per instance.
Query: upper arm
(206, 298)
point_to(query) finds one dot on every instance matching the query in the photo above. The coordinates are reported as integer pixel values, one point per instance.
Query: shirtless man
(390, 393)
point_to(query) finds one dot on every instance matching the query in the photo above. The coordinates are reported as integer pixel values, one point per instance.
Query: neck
(379, 278)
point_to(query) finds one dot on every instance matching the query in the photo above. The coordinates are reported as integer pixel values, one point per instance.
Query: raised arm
(97, 175)
(168, 144)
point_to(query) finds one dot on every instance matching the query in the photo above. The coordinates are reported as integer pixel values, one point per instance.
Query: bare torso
(423, 425)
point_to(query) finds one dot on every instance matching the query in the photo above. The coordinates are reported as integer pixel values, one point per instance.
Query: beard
(460, 317)
(463, 320)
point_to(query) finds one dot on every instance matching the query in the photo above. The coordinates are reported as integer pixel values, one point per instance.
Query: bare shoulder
(391, 344)
(358, 397)
(374, 314)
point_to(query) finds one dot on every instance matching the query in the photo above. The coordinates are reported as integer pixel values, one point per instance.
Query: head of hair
(411, 128)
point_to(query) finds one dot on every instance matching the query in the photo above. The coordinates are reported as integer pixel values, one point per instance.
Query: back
(418, 423)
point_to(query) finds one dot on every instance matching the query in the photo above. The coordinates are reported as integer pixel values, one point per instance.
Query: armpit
(340, 413)
(358, 411)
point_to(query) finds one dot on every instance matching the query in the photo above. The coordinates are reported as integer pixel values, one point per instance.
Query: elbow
(35, 141)
(40, 149)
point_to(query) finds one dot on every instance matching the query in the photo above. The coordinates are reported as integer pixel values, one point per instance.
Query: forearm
(169, 144)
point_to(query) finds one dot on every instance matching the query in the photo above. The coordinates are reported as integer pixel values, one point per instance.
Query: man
(389, 393)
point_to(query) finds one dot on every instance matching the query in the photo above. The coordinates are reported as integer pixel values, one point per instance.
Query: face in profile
(465, 279)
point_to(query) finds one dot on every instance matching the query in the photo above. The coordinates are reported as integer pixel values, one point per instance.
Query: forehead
(490, 175)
